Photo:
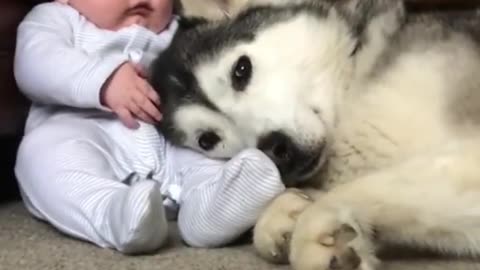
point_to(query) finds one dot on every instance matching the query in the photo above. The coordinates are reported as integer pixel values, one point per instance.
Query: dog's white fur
(416, 174)
(288, 109)
(415, 166)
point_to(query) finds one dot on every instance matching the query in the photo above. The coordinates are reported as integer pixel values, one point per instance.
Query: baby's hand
(130, 96)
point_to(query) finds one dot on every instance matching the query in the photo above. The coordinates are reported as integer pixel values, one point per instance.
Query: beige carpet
(26, 243)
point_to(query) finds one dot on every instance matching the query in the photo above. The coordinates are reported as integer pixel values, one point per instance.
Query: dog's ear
(372, 20)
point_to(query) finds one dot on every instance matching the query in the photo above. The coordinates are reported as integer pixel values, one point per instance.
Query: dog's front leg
(274, 228)
(430, 201)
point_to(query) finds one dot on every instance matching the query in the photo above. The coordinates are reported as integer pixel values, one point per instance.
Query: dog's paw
(274, 228)
(329, 239)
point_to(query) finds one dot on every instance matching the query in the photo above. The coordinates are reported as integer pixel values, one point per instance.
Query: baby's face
(115, 14)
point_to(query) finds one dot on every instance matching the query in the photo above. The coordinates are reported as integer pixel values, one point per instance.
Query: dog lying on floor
(377, 110)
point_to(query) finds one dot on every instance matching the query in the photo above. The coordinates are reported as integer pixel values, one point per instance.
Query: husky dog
(378, 110)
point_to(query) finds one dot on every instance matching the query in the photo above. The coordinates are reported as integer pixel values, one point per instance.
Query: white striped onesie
(92, 178)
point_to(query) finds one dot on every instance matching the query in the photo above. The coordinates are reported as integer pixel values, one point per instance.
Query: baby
(91, 163)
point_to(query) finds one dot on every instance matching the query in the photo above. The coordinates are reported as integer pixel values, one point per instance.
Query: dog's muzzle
(295, 162)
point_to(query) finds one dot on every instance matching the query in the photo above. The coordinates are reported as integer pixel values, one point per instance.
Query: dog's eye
(241, 73)
(208, 140)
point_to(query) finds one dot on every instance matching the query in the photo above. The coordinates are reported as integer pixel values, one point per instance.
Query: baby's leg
(222, 200)
(68, 176)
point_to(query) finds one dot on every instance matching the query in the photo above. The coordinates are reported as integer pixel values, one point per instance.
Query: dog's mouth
(305, 172)
(311, 166)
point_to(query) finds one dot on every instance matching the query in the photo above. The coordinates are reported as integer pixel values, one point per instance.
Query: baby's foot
(138, 218)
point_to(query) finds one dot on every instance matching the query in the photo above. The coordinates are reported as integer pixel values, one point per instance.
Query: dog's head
(271, 79)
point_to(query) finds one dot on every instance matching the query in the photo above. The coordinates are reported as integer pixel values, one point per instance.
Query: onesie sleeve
(222, 200)
(49, 69)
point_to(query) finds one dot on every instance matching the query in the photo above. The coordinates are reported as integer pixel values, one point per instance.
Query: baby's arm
(48, 68)
(222, 200)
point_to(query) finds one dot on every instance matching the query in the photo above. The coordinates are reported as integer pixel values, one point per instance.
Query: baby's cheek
(159, 24)
(162, 15)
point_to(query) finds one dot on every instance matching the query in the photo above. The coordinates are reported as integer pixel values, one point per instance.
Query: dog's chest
(358, 151)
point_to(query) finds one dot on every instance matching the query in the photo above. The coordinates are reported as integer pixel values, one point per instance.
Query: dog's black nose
(292, 159)
(278, 147)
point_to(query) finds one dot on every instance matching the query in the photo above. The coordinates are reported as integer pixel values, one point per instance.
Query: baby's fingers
(147, 106)
(127, 118)
(147, 90)
(140, 70)
(140, 113)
